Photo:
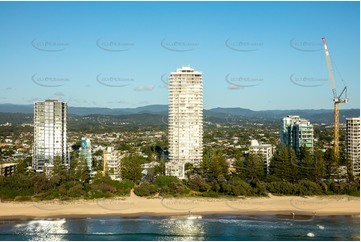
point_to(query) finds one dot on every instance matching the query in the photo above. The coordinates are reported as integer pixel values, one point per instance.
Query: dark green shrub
(210, 194)
(282, 188)
(260, 188)
(308, 188)
(145, 189)
(240, 187)
(169, 185)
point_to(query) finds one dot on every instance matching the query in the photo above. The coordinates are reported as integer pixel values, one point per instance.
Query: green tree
(291, 169)
(239, 165)
(169, 185)
(239, 187)
(308, 188)
(189, 169)
(283, 165)
(79, 170)
(331, 164)
(350, 175)
(253, 167)
(277, 163)
(98, 153)
(197, 183)
(131, 168)
(40, 182)
(160, 169)
(75, 190)
(306, 164)
(319, 167)
(282, 187)
(16, 185)
(59, 168)
(21, 167)
(214, 165)
(82, 171)
(145, 189)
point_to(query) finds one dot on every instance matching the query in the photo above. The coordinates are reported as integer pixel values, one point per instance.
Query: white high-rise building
(353, 144)
(265, 150)
(49, 133)
(185, 120)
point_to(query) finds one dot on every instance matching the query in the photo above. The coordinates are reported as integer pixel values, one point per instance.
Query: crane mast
(337, 100)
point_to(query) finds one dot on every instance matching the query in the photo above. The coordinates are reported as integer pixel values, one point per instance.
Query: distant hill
(14, 108)
(320, 116)
(148, 109)
(234, 111)
(83, 111)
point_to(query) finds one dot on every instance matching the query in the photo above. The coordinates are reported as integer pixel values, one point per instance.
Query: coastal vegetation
(304, 175)
(307, 173)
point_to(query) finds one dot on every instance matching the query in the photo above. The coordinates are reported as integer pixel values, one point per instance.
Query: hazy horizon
(329, 109)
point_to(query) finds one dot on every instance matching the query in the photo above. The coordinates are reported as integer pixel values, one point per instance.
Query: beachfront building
(7, 169)
(353, 144)
(112, 161)
(185, 120)
(265, 150)
(296, 132)
(86, 152)
(286, 129)
(50, 133)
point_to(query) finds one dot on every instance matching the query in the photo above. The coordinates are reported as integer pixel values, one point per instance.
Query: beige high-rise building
(353, 144)
(185, 120)
(50, 135)
(112, 163)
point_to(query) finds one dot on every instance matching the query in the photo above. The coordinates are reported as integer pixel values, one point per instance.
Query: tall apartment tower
(353, 144)
(49, 133)
(185, 120)
(296, 132)
(112, 163)
(86, 152)
(286, 129)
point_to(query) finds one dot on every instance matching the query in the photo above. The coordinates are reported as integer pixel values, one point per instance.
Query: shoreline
(134, 206)
(297, 217)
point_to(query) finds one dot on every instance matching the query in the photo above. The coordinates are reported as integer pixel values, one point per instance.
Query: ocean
(180, 228)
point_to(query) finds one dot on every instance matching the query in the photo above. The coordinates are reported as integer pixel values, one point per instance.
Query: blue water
(209, 227)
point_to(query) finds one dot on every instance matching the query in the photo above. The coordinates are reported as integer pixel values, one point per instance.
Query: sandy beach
(138, 206)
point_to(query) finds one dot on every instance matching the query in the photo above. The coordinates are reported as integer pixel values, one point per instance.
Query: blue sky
(257, 55)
